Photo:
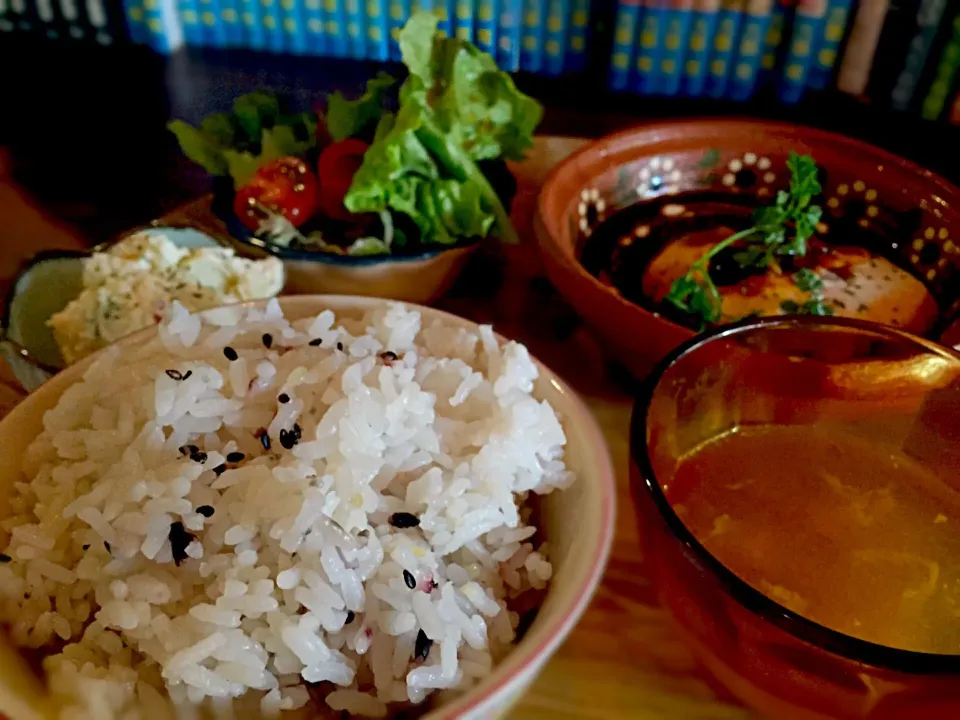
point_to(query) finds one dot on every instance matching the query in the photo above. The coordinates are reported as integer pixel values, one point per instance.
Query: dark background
(85, 126)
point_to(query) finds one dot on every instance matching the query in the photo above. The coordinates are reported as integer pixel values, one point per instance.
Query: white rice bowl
(165, 558)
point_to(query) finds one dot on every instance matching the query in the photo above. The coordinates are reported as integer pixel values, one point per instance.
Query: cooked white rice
(160, 570)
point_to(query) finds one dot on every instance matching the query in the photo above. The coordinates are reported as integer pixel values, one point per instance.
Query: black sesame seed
(267, 340)
(230, 354)
(86, 547)
(351, 616)
(409, 579)
(316, 342)
(265, 440)
(404, 520)
(205, 510)
(179, 540)
(219, 470)
(235, 457)
(174, 374)
(297, 432)
(183, 449)
(187, 374)
(199, 457)
(106, 545)
(422, 648)
(287, 439)
(193, 449)
(526, 620)
(4, 558)
(283, 398)
(340, 346)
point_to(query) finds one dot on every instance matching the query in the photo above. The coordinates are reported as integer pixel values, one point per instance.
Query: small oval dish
(45, 286)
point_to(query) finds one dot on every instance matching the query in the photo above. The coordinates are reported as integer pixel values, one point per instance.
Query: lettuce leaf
(456, 108)
(368, 246)
(203, 148)
(348, 118)
(400, 174)
(238, 143)
(256, 111)
(274, 143)
(469, 92)
(221, 127)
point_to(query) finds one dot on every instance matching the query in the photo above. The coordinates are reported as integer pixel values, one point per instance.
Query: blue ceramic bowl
(44, 287)
(419, 277)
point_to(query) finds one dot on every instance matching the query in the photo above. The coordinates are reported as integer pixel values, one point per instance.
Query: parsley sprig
(777, 231)
(808, 281)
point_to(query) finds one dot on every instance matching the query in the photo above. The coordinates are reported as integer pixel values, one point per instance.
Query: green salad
(406, 165)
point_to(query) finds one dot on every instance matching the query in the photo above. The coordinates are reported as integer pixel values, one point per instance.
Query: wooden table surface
(624, 659)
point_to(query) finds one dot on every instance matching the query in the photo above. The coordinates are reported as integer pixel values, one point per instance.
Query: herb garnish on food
(808, 281)
(778, 231)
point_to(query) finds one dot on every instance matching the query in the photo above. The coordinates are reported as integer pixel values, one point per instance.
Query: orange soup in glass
(797, 482)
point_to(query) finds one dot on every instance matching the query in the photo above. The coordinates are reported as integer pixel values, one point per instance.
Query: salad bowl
(420, 277)
(386, 194)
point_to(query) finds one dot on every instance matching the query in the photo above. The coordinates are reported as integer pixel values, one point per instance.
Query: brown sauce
(642, 250)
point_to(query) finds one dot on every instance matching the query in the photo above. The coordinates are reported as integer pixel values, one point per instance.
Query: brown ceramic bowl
(864, 187)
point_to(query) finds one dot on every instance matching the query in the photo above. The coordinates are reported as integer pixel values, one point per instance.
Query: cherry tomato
(285, 186)
(336, 167)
